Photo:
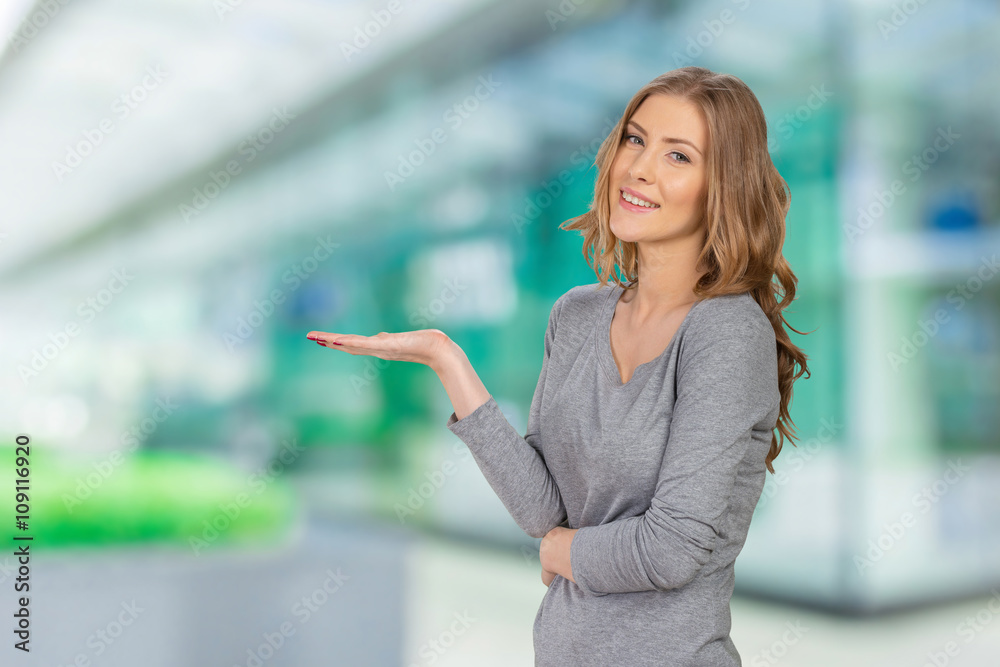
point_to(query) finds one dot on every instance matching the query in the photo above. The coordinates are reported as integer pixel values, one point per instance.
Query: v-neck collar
(607, 360)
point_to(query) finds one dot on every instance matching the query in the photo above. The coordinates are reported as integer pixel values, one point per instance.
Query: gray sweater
(660, 475)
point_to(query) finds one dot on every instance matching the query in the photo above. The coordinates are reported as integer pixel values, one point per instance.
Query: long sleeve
(514, 465)
(726, 386)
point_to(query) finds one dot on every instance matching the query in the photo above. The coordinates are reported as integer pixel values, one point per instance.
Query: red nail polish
(336, 343)
(319, 342)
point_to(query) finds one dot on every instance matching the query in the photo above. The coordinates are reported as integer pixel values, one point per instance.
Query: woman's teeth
(638, 202)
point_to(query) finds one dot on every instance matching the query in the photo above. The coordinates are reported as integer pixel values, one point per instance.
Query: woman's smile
(631, 200)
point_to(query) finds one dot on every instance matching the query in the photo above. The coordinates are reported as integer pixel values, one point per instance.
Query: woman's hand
(425, 346)
(431, 347)
(554, 552)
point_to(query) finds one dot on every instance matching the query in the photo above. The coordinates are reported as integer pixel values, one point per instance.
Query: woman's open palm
(423, 346)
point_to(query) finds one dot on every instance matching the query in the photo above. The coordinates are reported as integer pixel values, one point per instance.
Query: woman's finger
(354, 344)
(420, 346)
(325, 338)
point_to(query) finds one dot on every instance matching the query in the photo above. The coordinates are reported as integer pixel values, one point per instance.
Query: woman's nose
(640, 169)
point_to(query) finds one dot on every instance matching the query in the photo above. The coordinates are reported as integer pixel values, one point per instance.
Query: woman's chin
(628, 232)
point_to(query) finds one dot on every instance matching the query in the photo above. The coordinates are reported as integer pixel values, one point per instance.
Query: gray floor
(504, 589)
(387, 596)
(331, 595)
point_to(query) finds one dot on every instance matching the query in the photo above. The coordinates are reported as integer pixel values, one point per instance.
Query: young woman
(653, 419)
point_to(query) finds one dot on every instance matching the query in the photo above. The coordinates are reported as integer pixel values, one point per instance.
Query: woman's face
(662, 161)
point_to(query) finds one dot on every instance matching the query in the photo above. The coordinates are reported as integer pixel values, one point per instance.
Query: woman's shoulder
(733, 309)
(585, 297)
(731, 336)
(578, 306)
(731, 318)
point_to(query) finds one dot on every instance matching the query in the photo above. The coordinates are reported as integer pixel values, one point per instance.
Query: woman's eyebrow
(668, 140)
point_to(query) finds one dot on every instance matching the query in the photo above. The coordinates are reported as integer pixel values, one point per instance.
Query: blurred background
(191, 186)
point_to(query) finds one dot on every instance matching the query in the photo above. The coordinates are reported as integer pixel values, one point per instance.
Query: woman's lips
(628, 206)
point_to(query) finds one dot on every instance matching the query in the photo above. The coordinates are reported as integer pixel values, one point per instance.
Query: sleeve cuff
(579, 550)
(476, 417)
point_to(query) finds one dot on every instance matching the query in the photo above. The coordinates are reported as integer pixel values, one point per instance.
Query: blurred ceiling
(114, 113)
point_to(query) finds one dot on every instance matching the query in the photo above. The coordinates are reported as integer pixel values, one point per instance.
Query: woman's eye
(638, 142)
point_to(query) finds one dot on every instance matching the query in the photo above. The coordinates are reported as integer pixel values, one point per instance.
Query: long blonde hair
(745, 220)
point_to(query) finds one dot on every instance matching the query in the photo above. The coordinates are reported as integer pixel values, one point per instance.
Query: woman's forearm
(463, 386)
(511, 463)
